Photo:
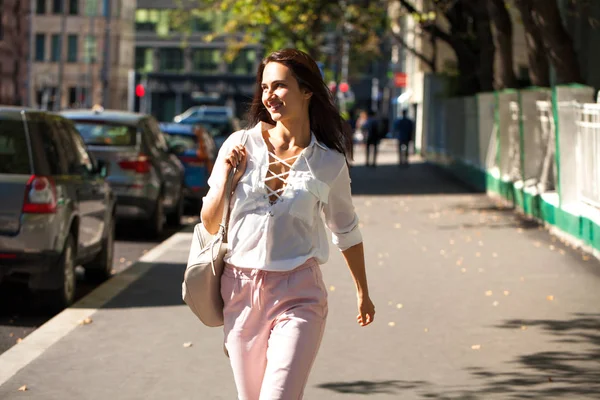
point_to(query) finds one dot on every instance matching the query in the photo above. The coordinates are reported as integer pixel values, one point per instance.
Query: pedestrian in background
(292, 167)
(372, 130)
(404, 131)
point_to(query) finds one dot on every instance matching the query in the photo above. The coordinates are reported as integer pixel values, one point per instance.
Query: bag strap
(228, 192)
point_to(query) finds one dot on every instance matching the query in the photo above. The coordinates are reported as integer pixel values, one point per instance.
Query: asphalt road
(20, 314)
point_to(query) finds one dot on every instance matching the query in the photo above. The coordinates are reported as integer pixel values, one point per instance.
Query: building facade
(180, 70)
(91, 66)
(14, 29)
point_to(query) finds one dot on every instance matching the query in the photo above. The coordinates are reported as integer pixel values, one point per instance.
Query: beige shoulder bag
(201, 288)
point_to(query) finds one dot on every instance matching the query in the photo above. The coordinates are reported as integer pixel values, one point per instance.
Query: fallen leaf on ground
(23, 388)
(506, 292)
(451, 241)
(488, 293)
(398, 226)
(424, 248)
(380, 263)
(495, 304)
(552, 247)
(390, 303)
(426, 330)
(585, 258)
(537, 244)
(562, 252)
(523, 327)
(459, 262)
(522, 279)
(550, 298)
(187, 344)
(85, 321)
(442, 252)
(476, 347)
(19, 340)
(399, 306)
(391, 324)
(11, 334)
(480, 243)
(520, 230)
(332, 288)
(478, 254)
(463, 270)
(122, 259)
(495, 255)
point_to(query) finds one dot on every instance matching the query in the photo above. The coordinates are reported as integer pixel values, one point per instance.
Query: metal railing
(588, 153)
(514, 143)
(548, 140)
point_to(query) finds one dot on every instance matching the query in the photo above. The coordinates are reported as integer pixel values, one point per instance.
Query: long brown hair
(325, 119)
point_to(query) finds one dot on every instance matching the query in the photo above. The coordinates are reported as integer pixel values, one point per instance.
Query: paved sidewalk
(472, 303)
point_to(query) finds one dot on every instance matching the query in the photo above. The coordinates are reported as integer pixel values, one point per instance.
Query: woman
(292, 167)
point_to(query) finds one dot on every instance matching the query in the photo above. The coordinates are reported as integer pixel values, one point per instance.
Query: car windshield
(106, 134)
(187, 142)
(14, 156)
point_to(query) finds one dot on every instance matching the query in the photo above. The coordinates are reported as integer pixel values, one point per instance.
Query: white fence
(588, 153)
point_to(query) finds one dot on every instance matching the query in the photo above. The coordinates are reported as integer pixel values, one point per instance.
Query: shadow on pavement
(416, 179)
(160, 286)
(371, 387)
(548, 374)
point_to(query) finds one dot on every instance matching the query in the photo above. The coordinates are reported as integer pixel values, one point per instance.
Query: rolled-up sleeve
(340, 216)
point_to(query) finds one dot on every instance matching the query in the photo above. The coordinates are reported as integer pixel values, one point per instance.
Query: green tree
(309, 25)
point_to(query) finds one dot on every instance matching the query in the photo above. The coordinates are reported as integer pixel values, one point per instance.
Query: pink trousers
(274, 324)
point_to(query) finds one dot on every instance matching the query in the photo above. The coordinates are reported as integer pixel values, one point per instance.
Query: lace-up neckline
(276, 195)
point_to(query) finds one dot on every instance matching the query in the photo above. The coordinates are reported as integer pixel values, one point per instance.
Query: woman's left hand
(366, 311)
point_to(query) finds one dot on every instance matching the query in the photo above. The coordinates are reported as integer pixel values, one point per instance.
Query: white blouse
(285, 234)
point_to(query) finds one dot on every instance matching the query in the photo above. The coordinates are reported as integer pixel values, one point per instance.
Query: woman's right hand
(237, 158)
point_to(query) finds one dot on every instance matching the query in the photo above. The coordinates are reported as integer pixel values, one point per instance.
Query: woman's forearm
(212, 211)
(355, 258)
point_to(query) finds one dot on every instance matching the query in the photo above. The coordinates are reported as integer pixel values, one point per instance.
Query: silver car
(147, 178)
(56, 210)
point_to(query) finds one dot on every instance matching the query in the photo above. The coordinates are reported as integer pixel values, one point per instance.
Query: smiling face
(281, 94)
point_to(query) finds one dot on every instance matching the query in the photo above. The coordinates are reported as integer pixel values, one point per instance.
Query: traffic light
(140, 90)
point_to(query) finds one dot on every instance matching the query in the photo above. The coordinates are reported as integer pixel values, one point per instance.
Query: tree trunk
(539, 71)
(486, 48)
(503, 42)
(558, 43)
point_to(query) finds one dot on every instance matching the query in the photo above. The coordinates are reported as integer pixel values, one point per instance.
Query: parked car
(145, 176)
(56, 209)
(197, 151)
(192, 114)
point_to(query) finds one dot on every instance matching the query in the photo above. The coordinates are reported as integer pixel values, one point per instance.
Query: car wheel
(100, 269)
(174, 218)
(157, 220)
(65, 295)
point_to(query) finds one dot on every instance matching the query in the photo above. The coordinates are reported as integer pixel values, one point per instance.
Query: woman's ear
(307, 94)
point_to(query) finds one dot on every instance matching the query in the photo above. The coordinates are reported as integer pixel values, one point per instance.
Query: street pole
(106, 60)
(61, 58)
(30, 86)
(91, 57)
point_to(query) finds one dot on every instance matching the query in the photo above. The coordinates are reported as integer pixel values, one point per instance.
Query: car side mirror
(102, 167)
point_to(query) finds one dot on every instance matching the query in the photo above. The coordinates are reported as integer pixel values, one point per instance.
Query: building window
(144, 59)
(204, 22)
(57, 6)
(91, 8)
(73, 7)
(89, 48)
(244, 62)
(155, 21)
(40, 47)
(55, 48)
(72, 48)
(207, 61)
(40, 7)
(170, 59)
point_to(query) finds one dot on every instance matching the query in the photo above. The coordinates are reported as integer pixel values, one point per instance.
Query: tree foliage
(309, 25)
